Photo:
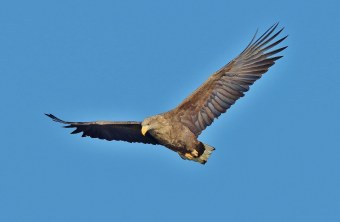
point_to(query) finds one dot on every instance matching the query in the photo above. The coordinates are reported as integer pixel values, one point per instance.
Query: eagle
(179, 128)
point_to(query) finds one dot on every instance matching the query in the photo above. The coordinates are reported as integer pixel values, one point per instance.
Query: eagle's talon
(189, 156)
(194, 153)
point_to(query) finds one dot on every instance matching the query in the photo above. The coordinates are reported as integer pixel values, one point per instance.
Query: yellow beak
(145, 129)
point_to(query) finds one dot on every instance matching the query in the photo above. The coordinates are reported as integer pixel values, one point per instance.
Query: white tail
(206, 154)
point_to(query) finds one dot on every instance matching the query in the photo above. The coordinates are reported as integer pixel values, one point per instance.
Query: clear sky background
(277, 152)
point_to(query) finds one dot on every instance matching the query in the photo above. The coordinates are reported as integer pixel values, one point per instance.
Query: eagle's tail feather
(206, 154)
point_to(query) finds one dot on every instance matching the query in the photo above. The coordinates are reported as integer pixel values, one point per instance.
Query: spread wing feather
(126, 131)
(229, 83)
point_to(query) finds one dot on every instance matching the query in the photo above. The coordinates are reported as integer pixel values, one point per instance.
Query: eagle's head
(152, 124)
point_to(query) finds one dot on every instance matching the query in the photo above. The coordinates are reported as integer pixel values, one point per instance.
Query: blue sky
(277, 149)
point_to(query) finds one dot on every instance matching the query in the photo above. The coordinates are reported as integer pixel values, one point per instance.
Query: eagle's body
(168, 130)
(179, 128)
(170, 133)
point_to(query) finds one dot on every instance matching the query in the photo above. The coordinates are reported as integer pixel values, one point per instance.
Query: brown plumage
(179, 128)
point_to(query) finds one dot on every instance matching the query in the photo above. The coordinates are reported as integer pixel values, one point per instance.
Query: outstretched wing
(125, 131)
(229, 83)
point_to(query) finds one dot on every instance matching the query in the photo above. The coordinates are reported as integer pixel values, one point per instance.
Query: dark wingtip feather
(56, 119)
(276, 51)
(270, 30)
(264, 39)
(49, 115)
(266, 34)
(77, 130)
(252, 40)
(275, 58)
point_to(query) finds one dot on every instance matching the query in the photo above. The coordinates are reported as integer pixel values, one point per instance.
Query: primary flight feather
(179, 128)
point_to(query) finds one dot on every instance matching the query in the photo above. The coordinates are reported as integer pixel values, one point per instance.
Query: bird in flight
(179, 128)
